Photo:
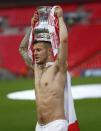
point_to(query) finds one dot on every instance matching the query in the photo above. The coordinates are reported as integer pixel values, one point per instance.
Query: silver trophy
(41, 31)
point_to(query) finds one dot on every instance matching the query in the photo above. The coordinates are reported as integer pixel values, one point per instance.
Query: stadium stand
(68, 8)
(84, 36)
(21, 17)
(82, 43)
(9, 55)
(18, 16)
(91, 63)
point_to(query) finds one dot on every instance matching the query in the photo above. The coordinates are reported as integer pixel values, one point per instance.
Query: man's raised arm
(63, 36)
(23, 49)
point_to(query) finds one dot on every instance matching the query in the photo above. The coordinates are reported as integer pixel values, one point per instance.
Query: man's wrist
(60, 18)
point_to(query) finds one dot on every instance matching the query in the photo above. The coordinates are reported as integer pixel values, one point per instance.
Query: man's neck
(47, 64)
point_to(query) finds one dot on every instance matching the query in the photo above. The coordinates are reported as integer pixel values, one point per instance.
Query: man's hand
(58, 11)
(35, 18)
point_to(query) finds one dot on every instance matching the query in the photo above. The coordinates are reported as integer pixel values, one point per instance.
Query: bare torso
(49, 87)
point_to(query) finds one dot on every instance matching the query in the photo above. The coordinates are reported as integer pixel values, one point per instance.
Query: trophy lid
(44, 9)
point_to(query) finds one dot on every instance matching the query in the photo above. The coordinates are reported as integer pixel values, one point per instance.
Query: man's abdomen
(50, 107)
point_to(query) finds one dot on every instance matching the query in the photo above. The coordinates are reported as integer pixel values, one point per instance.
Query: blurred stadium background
(83, 19)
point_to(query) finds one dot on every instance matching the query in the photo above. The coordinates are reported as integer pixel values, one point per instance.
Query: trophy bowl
(42, 25)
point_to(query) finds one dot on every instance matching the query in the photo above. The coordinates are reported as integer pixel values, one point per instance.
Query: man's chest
(44, 76)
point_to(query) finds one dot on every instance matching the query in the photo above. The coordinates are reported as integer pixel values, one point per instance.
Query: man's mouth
(36, 58)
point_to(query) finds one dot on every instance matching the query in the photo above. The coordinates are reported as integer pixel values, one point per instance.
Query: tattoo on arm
(23, 49)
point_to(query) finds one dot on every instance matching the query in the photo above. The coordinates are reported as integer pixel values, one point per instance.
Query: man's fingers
(58, 11)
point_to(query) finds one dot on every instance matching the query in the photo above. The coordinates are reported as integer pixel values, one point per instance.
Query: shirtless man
(49, 78)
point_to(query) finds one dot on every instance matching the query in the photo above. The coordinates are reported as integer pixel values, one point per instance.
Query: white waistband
(50, 123)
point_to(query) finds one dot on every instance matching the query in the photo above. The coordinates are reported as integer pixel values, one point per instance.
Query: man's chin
(39, 63)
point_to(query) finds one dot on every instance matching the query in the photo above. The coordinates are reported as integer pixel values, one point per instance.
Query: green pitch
(20, 115)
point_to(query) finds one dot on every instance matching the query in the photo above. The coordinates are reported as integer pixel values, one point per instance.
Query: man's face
(40, 53)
